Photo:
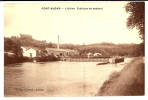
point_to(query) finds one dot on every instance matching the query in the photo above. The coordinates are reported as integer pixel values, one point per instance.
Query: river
(56, 78)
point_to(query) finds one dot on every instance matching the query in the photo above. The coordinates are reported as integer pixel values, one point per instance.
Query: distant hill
(109, 45)
(106, 49)
(110, 49)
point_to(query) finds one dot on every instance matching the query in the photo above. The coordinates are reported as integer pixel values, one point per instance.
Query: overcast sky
(73, 26)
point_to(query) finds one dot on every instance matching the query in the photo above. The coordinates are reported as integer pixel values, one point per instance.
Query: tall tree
(137, 17)
(13, 45)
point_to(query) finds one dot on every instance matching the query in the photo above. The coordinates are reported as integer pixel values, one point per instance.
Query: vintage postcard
(74, 49)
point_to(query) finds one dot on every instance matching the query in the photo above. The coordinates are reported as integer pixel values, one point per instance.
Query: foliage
(13, 44)
(113, 50)
(137, 17)
(69, 46)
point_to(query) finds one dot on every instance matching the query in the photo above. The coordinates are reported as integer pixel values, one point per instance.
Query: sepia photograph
(74, 49)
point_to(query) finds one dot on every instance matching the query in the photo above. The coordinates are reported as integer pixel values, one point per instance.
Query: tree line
(13, 44)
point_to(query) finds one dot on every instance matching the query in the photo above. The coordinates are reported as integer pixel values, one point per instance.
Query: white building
(29, 52)
(97, 54)
(93, 55)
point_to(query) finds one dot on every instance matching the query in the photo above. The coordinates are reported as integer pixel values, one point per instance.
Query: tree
(8, 43)
(13, 45)
(137, 17)
(18, 51)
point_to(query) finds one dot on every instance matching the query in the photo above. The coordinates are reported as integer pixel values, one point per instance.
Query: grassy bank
(129, 82)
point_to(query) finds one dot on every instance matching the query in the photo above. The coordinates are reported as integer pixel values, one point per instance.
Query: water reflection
(56, 78)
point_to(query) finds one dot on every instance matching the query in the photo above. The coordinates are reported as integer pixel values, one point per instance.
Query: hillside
(13, 44)
(110, 49)
(129, 82)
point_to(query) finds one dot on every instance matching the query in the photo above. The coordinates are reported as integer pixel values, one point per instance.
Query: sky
(107, 24)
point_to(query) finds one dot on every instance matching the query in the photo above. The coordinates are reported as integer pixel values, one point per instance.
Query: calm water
(57, 78)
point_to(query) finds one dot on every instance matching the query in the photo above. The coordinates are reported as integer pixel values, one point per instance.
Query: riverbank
(86, 59)
(128, 82)
(12, 59)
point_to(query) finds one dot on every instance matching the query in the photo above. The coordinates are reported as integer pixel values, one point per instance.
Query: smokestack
(58, 43)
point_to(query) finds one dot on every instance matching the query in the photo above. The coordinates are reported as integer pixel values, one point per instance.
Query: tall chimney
(58, 43)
